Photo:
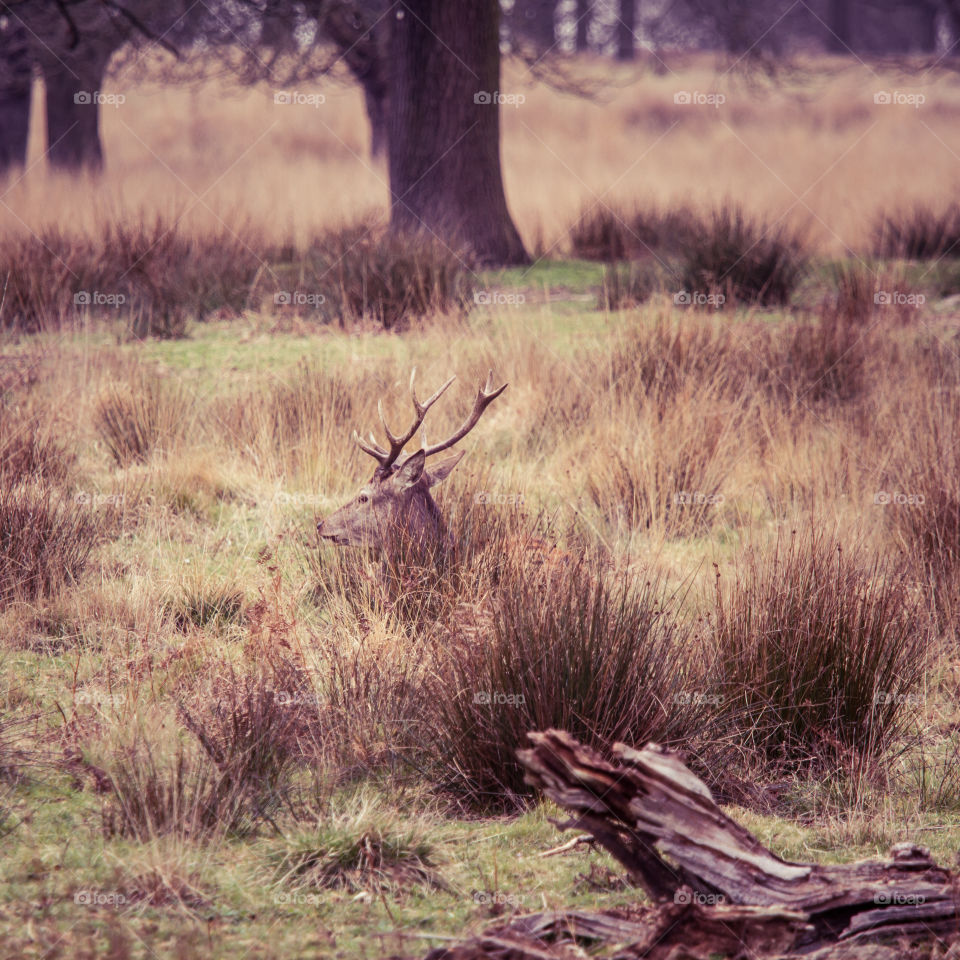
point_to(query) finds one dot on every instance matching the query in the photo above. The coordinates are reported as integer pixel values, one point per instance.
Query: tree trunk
(930, 26)
(444, 128)
(840, 37)
(375, 100)
(626, 29)
(73, 113)
(16, 82)
(583, 26)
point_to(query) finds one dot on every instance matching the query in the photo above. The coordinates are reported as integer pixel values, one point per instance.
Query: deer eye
(363, 498)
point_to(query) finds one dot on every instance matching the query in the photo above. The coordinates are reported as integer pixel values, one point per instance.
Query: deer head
(397, 497)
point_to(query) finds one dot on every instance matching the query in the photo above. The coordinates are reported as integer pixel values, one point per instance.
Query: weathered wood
(660, 821)
(719, 891)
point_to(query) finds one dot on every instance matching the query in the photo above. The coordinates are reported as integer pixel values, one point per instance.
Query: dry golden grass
(209, 673)
(814, 150)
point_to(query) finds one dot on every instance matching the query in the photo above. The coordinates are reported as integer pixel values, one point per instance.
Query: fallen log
(717, 890)
(660, 821)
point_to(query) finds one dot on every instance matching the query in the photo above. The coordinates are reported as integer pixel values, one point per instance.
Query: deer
(397, 498)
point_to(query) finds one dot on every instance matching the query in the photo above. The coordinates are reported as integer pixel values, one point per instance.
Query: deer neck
(424, 520)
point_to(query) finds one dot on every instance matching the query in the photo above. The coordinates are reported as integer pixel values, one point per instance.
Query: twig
(569, 845)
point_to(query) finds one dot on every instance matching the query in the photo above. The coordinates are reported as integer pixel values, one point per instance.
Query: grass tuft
(817, 656)
(582, 650)
(144, 414)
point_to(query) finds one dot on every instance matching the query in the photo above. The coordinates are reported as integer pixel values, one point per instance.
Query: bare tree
(72, 43)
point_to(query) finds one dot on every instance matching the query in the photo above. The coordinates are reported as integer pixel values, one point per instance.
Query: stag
(397, 499)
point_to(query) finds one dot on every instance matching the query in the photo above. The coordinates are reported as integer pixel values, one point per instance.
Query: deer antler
(387, 458)
(485, 396)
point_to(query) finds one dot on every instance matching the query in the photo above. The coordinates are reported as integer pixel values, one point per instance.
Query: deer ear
(411, 470)
(440, 471)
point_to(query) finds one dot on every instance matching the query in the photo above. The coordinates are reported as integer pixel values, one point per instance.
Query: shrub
(628, 285)
(227, 779)
(369, 701)
(600, 656)
(918, 233)
(288, 422)
(359, 846)
(142, 414)
(601, 234)
(28, 452)
(360, 274)
(816, 654)
(921, 487)
(664, 466)
(156, 276)
(605, 233)
(46, 539)
(743, 259)
(204, 605)
(822, 360)
(681, 354)
(153, 274)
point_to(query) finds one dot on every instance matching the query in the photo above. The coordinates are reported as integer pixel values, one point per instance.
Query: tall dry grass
(655, 437)
(793, 153)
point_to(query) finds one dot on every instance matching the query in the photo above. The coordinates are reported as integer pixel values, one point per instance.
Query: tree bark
(655, 817)
(444, 129)
(375, 100)
(626, 30)
(73, 113)
(16, 82)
